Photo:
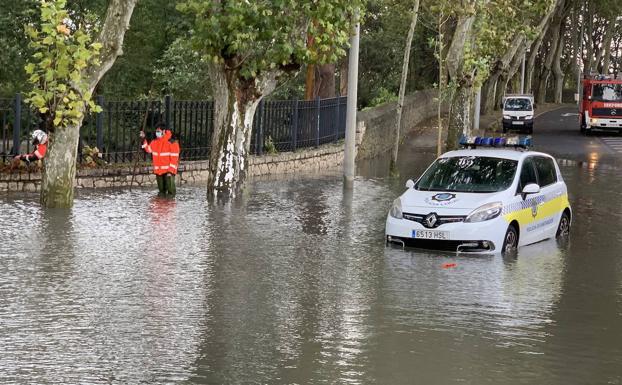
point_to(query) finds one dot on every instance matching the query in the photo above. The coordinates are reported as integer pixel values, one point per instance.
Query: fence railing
(281, 125)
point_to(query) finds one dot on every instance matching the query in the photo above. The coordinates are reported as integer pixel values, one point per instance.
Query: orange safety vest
(174, 157)
(159, 150)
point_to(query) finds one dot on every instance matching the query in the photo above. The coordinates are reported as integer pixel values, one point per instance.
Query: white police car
(483, 199)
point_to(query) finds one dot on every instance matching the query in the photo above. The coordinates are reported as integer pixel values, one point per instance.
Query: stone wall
(308, 160)
(377, 125)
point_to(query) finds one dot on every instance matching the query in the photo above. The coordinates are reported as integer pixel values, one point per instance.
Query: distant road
(557, 132)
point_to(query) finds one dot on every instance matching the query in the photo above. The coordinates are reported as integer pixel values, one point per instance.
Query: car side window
(527, 174)
(546, 171)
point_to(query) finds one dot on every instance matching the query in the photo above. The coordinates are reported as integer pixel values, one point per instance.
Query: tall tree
(250, 45)
(400, 100)
(65, 70)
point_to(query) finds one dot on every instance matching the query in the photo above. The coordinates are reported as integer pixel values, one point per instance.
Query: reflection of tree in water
(312, 211)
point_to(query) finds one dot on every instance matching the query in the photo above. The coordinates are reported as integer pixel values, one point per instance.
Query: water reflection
(293, 284)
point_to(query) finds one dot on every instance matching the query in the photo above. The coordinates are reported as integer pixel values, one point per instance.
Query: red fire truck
(600, 107)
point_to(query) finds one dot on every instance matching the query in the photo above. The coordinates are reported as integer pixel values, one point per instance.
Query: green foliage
(269, 146)
(383, 96)
(153, 59)
(251, 37)
(383, 36)
(182, 71)
(62, 51)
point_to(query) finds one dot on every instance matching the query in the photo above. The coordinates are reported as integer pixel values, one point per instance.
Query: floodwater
(293, 284)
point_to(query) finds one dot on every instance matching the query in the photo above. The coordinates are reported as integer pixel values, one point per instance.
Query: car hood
(414, 200)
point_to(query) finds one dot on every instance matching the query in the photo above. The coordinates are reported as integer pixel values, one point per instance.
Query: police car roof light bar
(523, 142)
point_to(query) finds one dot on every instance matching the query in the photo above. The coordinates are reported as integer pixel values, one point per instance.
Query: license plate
(518, 123)
(431, 234)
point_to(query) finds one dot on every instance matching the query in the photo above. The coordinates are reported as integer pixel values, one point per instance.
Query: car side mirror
(531, 188)
(410, 183)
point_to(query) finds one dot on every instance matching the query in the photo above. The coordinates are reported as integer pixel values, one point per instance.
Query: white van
(518, 113)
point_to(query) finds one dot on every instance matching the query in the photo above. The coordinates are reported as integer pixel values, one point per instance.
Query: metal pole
(17, 124)
(295, 126)
(317, 121)
(167, 110)
(353, 74)
(522, 74)
(477, 106)
(579, 62)
(99, 124)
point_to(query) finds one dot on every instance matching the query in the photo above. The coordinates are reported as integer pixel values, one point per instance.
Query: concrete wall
(310, 160)
(377, 125)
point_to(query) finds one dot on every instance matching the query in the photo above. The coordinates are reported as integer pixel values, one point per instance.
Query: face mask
(159, 134)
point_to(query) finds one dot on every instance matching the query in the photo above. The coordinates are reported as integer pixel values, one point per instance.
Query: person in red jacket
(159, 148)
(40, 143)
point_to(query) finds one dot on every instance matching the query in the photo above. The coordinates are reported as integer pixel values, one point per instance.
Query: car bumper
(516, 124)
(605, 124)
(487, 236)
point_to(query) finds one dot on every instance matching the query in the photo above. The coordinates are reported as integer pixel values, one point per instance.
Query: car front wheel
(510, 242)
(564, 226)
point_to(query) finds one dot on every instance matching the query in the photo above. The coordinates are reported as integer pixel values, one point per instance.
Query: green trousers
(166, 184)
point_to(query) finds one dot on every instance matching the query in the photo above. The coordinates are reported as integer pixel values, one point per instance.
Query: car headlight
(485, 212)
(529, 117)
(396, 209)
(593, 120)
(507, 117)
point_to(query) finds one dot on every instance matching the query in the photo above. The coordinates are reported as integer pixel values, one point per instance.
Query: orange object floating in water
(448, 265)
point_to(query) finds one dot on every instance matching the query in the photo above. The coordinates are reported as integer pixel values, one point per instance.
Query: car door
(528, 204)
(549, 209)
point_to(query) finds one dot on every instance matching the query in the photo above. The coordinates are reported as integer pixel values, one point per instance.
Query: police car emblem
(443, 197)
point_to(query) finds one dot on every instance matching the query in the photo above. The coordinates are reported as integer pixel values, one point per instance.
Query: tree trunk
(607, 46)
(589, 42)
(310, 82)
(60, 163)
(326, 81)
(460, 106)
(502, 68)
(554, 32)
(488, 92)
(558, 74)
(343, 77)
(543, 28)
(235, 102)
(459, 114)
(59, 170)
(400, 101)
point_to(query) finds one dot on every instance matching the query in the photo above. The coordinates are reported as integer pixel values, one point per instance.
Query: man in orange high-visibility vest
(159, 150)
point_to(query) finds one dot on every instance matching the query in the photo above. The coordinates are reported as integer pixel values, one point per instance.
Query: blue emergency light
(500, 141)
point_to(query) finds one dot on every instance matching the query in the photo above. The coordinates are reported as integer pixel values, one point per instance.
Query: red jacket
(159, 150)
(174, 157)
(37, 154)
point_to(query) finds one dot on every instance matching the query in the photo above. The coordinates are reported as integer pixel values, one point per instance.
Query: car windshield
(474, 174)
(607, 92)
(517, 104)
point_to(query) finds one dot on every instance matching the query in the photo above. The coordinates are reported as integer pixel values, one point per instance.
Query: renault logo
(430, 220)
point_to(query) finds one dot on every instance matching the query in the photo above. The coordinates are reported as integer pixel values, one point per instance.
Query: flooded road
(293, 283)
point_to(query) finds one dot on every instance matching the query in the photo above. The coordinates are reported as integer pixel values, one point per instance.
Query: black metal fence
(278, 126)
